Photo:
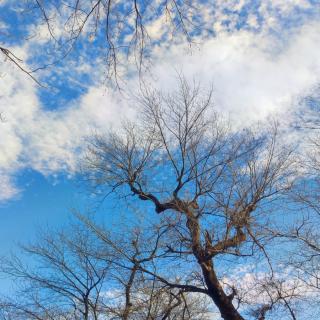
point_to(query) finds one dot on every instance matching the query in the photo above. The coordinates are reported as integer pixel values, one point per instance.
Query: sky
(260, 57)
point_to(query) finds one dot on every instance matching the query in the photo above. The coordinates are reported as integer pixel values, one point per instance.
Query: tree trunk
(215, 291)
(217, 294)
(128, 286)
(86, 308)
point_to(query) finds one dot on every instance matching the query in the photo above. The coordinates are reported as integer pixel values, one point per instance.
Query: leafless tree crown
(182, 158)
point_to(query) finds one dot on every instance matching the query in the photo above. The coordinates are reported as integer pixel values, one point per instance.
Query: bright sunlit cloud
(255, 70)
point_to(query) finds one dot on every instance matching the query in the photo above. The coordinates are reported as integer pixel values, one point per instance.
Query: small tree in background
(89, 272)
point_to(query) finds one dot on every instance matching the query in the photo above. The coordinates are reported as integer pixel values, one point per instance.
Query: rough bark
(215, 290)
(128, 305)
(217, 294)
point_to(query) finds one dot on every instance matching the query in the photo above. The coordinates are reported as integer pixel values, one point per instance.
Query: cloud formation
(254, 75)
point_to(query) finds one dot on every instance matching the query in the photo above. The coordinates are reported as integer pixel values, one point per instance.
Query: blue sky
(262, 58)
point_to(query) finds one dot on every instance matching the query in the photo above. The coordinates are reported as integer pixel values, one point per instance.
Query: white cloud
(44, 140)
(287, 6)
(253, 77)
(8, 189)
(257, 288)
(252, 21)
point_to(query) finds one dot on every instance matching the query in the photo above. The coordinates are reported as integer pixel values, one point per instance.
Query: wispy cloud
(254, 74)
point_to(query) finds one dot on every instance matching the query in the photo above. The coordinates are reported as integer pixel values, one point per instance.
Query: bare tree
(183, 159)
(121, 32)
(302, 234)
(299, 236)
(89, 272)
(142, 295)
(65, 284)
(17, 62)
